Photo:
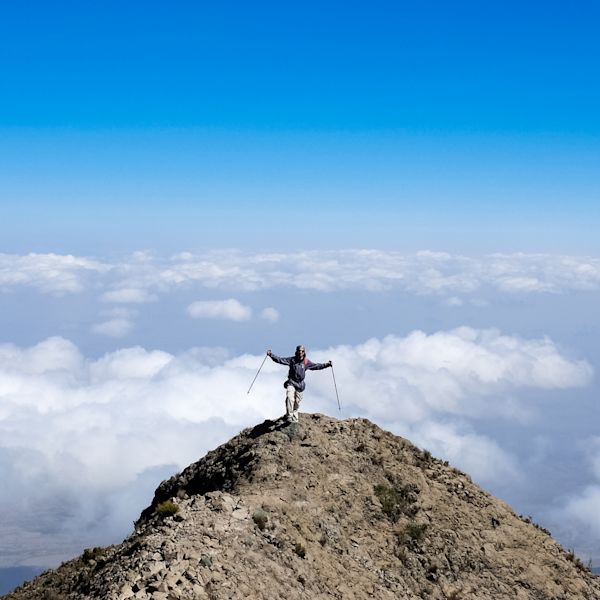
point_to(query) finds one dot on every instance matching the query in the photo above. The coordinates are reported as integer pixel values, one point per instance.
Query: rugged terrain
(334, 509)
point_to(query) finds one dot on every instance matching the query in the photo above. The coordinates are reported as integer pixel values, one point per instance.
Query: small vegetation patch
(93, 554)
(396, 500)
(260, 517)
(300, 550)
(206, 561)
(52, 595)
(572, 557)
(415, 531)
(168, 508)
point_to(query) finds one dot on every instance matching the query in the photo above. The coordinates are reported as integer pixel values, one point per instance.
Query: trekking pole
(261, 366)
(336, 392)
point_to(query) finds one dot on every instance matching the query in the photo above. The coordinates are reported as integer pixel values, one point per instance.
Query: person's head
(300, 353)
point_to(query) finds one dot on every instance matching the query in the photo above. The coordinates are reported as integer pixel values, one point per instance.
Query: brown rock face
(335, 509)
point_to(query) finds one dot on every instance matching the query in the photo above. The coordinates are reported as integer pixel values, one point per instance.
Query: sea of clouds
(83, 442)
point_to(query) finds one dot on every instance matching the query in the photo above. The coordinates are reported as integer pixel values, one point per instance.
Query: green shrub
(168, 508)
(415, 531)
(396, 500)
(206, 561)
(260, 517)
(390, 500)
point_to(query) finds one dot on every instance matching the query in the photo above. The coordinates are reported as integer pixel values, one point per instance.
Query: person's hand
(329, 363)
(269, 353)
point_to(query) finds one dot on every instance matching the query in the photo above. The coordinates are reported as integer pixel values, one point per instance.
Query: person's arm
(279, 359)
(311, 366)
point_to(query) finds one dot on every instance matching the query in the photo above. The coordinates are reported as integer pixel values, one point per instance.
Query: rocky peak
(329, 509)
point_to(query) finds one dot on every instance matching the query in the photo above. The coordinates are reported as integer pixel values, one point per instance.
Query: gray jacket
(298, 368)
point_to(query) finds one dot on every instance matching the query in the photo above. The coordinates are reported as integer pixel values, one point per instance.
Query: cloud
(421, 273)
(49, 273)
(128, 296)
(83, 441)
(582, 510)
(116, 328)
(139, 277)
(460, 372)
(230, 309)
(453, 301)
(478, 455)
(270, 314)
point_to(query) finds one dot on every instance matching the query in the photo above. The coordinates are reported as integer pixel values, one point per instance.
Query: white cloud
(577, 517)
(128, 296)
(582, 511)
(230, 309)
(420, 273)
(583, 506)
(464, 372)
(476, 454)
(140, 276)
(49, 273)
(270, 314)
(54, 355)
(453, 301)
(116, 328)
(89, 438)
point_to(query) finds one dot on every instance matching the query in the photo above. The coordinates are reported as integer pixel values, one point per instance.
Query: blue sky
(461, 125)
(409, 189)
(427, 66)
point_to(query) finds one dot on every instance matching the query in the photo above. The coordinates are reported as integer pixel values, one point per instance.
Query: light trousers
(293, 397)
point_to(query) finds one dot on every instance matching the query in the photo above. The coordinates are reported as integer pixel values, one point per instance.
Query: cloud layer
(50, 273)
(139, 277)
(84, 442)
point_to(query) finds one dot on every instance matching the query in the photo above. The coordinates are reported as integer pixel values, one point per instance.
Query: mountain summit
(332, 509)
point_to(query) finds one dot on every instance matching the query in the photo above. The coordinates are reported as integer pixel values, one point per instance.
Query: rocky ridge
(332, 509)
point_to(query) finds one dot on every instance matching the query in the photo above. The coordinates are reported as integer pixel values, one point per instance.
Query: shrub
(206, 561)
(415, 531)
(300, 550)
(397, 500)
(260, 517)
(93, 554)
(168, 508)
(571, 556)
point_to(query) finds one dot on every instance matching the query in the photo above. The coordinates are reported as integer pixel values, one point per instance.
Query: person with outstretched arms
(294, 385)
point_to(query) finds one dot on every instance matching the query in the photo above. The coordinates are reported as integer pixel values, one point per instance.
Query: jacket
(298, 368)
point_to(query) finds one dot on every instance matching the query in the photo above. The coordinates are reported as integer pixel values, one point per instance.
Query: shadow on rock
(268, 426)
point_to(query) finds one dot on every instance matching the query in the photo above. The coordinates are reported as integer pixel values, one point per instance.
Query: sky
(408, 189)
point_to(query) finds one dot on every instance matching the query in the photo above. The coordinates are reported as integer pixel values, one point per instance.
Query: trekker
(294, 384)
